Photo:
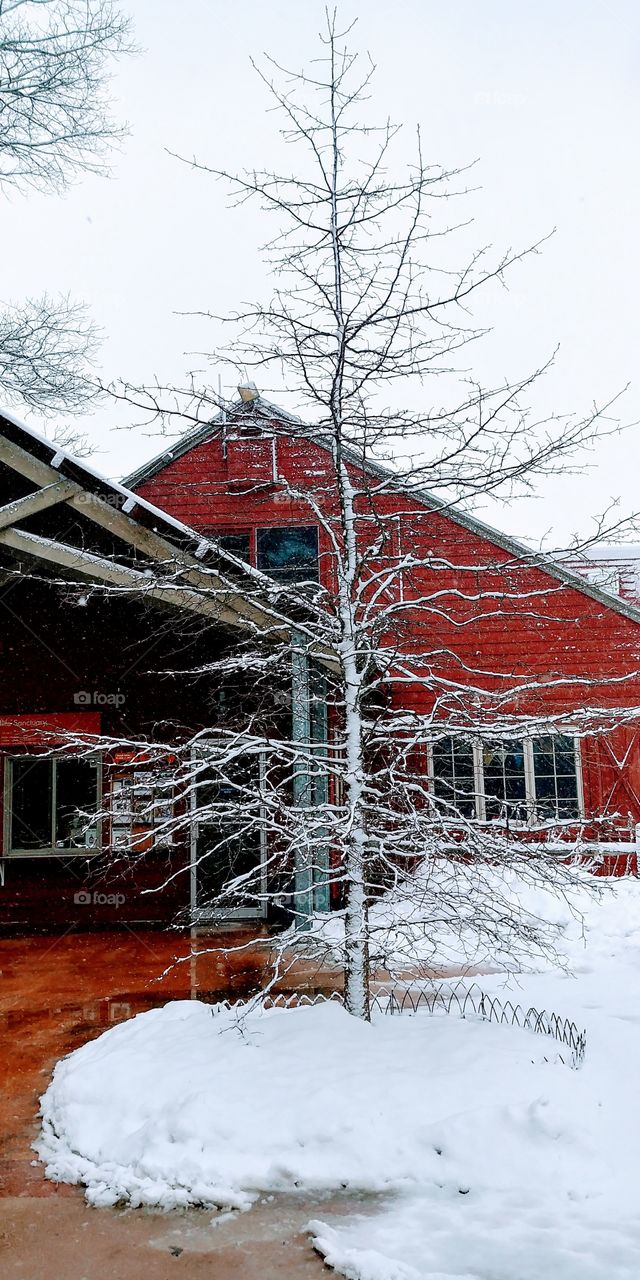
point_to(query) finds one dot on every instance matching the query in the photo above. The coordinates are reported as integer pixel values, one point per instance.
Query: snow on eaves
(519, 550)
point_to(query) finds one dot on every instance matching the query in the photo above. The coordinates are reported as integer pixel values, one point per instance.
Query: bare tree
(366, 299)
(46, 346)
(55, 125)
(55, 121)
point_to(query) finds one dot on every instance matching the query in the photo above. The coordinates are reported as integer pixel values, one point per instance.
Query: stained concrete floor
(56, 993)
(55, 1238)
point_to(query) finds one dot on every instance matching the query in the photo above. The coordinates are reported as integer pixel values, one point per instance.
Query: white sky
(546, 95)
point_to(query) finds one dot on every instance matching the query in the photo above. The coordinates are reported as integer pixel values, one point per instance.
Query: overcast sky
(545, 95)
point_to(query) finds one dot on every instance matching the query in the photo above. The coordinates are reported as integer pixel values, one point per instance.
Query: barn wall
(487, 620)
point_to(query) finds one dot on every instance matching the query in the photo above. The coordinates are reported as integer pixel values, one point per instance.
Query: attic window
(289, 554)
(246, 429)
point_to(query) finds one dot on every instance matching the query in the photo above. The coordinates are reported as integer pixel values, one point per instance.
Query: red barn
(480, 609)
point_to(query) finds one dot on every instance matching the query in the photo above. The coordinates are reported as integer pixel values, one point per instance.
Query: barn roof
(268, 412)
(150, 553)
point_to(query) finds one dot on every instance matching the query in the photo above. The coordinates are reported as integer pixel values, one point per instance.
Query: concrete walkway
(55, 994)
(56, 1238)
(58, 992)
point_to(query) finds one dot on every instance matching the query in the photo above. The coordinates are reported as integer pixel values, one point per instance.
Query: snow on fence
(463, 1000)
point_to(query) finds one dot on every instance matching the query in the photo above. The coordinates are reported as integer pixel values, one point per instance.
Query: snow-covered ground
(497, 1161)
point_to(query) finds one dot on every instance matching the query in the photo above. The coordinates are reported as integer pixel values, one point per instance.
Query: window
(239, 544)
(505, 787)
(228, 838)
(289, 554)
(454, 775)
(516, 779)
(555, 777)
(51, 803)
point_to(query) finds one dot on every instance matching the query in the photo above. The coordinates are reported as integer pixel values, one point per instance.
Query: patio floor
(56, 993)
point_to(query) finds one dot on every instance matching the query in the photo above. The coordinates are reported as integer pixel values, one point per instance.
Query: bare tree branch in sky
(55, 126)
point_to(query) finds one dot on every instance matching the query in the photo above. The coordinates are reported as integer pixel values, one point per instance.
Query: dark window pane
(239, 544)
(31, 804)
(566, 763)
(515, 787)
(567, 785)
(76, 801)
(543, 762)
(228, 843)
(504, 779)
(545, 787)
(453, 775)
(290, 554)
(556, 783)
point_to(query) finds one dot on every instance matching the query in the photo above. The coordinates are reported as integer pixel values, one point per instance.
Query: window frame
(53, 850)
(252, 532)
(279, 576)
(531, 802)
(201, 917)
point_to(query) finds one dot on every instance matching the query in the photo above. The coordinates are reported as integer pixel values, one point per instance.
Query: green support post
(302, 785)
(319, 735)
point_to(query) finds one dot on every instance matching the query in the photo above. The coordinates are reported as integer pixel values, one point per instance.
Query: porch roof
(156, 556)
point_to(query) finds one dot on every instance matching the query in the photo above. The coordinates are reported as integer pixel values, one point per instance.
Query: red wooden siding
(474, 613)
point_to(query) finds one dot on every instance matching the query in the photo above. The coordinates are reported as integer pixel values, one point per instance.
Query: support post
(320, 737)
(302, 786)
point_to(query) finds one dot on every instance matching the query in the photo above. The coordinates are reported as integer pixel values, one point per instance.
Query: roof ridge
(514, 546)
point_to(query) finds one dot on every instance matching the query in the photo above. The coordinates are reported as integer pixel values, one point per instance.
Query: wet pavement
(55, 994)
(64, 1239)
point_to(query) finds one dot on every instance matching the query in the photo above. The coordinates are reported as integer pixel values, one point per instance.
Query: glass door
(228, 839)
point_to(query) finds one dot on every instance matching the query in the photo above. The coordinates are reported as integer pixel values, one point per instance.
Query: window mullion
(577, 748)
(479, 781)
(529, 779)
(431, 773)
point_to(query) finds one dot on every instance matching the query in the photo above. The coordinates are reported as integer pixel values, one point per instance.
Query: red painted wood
(474, 615)
(46, 731)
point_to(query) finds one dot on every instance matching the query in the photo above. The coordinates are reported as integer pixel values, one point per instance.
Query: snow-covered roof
(247, 593)
(268, 412)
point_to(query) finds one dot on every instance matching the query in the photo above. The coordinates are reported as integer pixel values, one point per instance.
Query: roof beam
(18, 510)
(97, 569)
(200, 584)
(136, 535)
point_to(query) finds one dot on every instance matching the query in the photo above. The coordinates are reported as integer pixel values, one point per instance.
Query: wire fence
(463, 1001)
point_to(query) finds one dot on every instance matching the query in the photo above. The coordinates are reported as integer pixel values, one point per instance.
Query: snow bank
(190, 1104)
(430, 1237)
(499, 1162)
(571, 1214)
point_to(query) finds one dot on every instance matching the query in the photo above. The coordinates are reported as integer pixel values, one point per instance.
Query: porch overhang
(157, 557)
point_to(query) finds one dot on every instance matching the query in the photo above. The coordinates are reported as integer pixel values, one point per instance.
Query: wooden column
(302, 781)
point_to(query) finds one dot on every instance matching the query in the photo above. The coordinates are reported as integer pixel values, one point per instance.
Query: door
(228, 840)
